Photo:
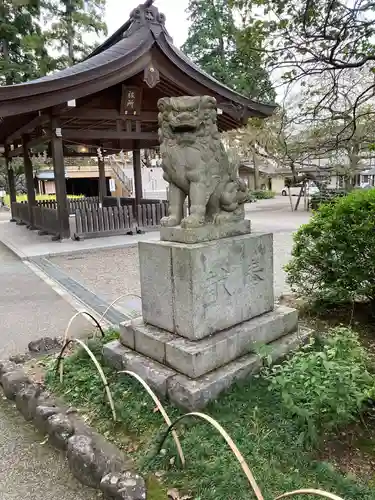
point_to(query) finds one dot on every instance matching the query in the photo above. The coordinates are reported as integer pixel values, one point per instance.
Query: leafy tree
(221, 48)
(310, 38)
(72, 23)
(18, 171)
(275, 140)
(327, 116)
(22, 44)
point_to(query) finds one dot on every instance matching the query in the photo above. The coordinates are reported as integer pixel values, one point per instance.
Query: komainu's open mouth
(184, 127)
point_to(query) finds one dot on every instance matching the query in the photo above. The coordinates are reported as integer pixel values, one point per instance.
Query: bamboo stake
(161, 409)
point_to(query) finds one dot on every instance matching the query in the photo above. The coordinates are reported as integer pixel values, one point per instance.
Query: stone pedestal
(206, 305)
(194, 290)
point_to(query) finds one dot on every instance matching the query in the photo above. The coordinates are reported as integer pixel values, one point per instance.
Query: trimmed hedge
(333, 258)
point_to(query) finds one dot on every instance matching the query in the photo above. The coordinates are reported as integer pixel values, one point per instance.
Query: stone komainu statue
(196, 164)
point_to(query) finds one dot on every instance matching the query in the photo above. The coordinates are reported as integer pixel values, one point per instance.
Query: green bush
(333, 257)
(325, 196)
(326, 384)
(262, 194)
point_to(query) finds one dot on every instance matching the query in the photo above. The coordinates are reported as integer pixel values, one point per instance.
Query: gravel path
(114, 272)
(108, 273)
(30, 470)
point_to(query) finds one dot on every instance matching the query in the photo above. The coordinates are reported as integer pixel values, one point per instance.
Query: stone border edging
(93, 460)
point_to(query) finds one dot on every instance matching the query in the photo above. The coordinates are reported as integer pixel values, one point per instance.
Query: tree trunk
(256, 175)
(294, 172)
(70, 32)
(353, 154)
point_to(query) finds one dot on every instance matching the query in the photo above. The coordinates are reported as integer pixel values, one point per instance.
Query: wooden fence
(46, 220)
(73, 203)
(20, 213)
(93, 221)
(111, 221)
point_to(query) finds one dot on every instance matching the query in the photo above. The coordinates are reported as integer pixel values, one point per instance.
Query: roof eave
(28, 97)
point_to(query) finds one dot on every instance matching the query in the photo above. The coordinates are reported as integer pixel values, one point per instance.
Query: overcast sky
(118, 13)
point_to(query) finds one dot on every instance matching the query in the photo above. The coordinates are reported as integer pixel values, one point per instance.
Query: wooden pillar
(29, 176)
(11, 182)
(102, 179)
(60, 181)
(137, 172)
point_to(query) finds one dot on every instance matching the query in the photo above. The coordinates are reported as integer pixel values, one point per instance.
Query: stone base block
(195, 290)
(205, 233)
(195, 359)
(195, 394)
(154, 373)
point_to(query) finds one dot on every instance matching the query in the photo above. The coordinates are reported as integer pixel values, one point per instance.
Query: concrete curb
(93, 460)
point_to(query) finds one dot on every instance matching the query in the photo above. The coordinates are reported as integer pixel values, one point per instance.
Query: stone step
(195, 394)
(196, 358)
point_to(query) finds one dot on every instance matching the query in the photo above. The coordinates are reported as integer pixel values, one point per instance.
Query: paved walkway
(29, 309)
(27, 244)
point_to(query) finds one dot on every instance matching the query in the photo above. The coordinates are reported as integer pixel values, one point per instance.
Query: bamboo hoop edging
(242, 461)
(228, 440)
(161, 409)
(60, 367)
(74, 317)
(321, 493)
(114, 302)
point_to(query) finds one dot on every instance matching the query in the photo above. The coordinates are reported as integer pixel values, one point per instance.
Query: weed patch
(255, 418)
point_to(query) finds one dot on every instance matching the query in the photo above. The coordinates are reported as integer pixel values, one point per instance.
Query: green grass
(23, 197)
(251, 414)
(262, 194)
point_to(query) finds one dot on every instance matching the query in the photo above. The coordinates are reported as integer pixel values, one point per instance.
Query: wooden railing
(111, 221)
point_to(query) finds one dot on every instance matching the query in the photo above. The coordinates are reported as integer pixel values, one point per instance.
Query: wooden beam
(29, 175)
(102, 179)
(30, 144)
(60, 181)
(28, 127)
(109, 114)
(11, 182)
(82, 135)
(138, 191)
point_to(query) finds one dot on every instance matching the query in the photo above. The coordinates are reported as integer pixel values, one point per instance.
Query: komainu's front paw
(193, 220)
(224, 218)
(169, 221)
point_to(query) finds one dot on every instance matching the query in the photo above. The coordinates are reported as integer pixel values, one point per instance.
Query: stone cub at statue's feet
(195, 164)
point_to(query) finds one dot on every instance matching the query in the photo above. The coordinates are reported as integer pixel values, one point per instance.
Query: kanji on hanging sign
(131, 100)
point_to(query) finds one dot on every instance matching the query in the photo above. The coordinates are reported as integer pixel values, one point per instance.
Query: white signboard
(2, 193)
(112, 185)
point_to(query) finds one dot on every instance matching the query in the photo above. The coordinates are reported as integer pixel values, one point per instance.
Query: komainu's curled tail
(235, 192)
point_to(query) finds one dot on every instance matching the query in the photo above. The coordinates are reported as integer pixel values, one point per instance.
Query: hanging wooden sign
(131, 100)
